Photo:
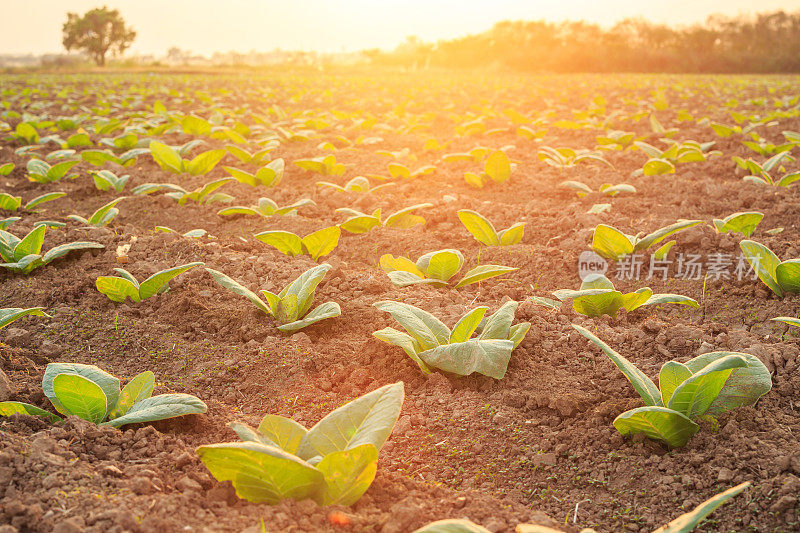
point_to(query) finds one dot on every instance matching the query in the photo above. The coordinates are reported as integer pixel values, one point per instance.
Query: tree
(97, 32)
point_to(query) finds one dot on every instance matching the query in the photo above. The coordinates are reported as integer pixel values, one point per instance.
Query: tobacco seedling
(266, 208)
(99, 158)
(581, 189)
(333, 463)
(359, 222)
(317, 244)
(92, 394)
(761, 173)
(780, 276)
(25, 133)
(102, 217)
(106, 180)
(169, 158)
(255, 158)
(436, 269)
(118, 288)
(12, 203)
(431, 344)
(744, 223)
(24, 255)
(11, 314)
(612, 244)
(484, 231)
(664, 161)
(6, 168)
(201, 195)
(42, 172)
(497, 168)
(268, 176)
(191, 234)
(705, 386)
(567, 157)
(597, 296)
(325, 165)
(617, 140)
(359, 184)
(292, 306)
(398, 170)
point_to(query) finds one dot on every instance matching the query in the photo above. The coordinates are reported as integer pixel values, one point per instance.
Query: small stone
(301, 338)
(141, 485)
(725, 474)
(112, 471)
(17, 336)
(7, 389)
(188, 484)
(50, 349)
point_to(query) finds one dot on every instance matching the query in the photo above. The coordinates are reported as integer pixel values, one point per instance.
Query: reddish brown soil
(531, 446)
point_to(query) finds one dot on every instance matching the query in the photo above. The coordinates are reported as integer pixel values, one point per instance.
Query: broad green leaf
(788, 179)
(661, 253)
(401, 279)
(108, 383)
(486, 356)
(390, 263)
(321, 312)
(156, 283)
(194, 125)
(368, 419)
(441, 265)
(248, 434)
(63, 249)
(467, 325)
(658, 423)
(6, 168)
(404, 341)
(695, 395)
(662, 233)
(11, 314)
(643, 385)
(688, 521)
(237, 288)
(404, 218)
(479, 227)
(286, 243)
(80, 397)
(238, 210)
(117, 289)
(13, 408)
(10, 203)
(166, 157)
(31, 244)
(360, 224)
(657, 167)
(512, 235)
(787, 274)
(657, 299)
(517, 332)
(303, 289)
(160, 407)
(284, 432)
(595, 302)
(764, 263)
(137, 389)
(672, 374)
(261, 473)
(321, 242)
(99, 216)
(744, 386)
(744, 223)
(498, 324)
(546, 302)
(348, 474)
(425, 328)
(785, 319)
(611, 243)
(636, 299)
(44, 198)
(498, 167)
(482, 272)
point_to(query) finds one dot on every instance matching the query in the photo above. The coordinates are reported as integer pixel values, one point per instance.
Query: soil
(537, 446)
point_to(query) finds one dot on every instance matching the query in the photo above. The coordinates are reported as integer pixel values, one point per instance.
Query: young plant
(191, 234)
(6, 168)
(106, 180)
(11, 314)
(361, 222)
(268, 176)
(325, 165)
(118, 288)
(256, 158)
(359, 184)
(567, 157)
(792, 321)
(333, 463)
(102, 217)
(597, 296)
(24, 255)
(266, 208)
(169, 158)
(292, 306)
(612, 244)
(202, 195)
(705, 386)
(484, 231)
(317, 244)
(398, 170)
(436, 268)
(12, 203)
(431, 344)
(761, 173)
(497, 168)
(744, 223)
(581, 189)
(42, 172)
(664, 161)
(92, 394)
(780, 276)
(617, 140)
(99, 158)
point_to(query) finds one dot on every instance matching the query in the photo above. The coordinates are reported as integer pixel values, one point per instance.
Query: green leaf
(688, 521)
(321, 312)
(285, 242)
(744, 386)
(6, 168)
(368, 419)
(695, 395)
(636, 299)
(661, 253)
(764, 263)
(457, 526)
(498, 167)
(360, 224)
(321, 242)
(98, 218)
(643, 385)
(467, 325)
(404, 218)
(13, 408)
(672, 374)
(498, 325)
(611, 243)
(594, 302)
(44, 198)
(662, 233)
(482, 272)
(80, 397)
(63, 249)
(658, 299)
(744, 223)
(284, 432)
(10, 203)
(117, 289)
(137, 389)
(404, 341)
(237, 288)
(657, 422)
(103, 379)
(479, 227)
(787, 274)
(166, 157)
(785, 319)
(441, 265)
(158, 281)
(160, 407)
(512, 235)
(261, 473)
(489, 357)
(425, 328)
(31, 244)
(657, 167)
(11, 314)
(348, 474)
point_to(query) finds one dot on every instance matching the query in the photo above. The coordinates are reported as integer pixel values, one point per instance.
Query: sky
(207, 26)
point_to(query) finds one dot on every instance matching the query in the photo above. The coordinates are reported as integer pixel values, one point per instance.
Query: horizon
(349, 26)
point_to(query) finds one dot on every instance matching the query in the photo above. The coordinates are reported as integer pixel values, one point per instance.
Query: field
(537, 446)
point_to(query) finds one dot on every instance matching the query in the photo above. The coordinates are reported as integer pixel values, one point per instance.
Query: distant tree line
(763, 43)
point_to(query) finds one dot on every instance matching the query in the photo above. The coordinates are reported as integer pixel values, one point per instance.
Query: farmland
(355, 171)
